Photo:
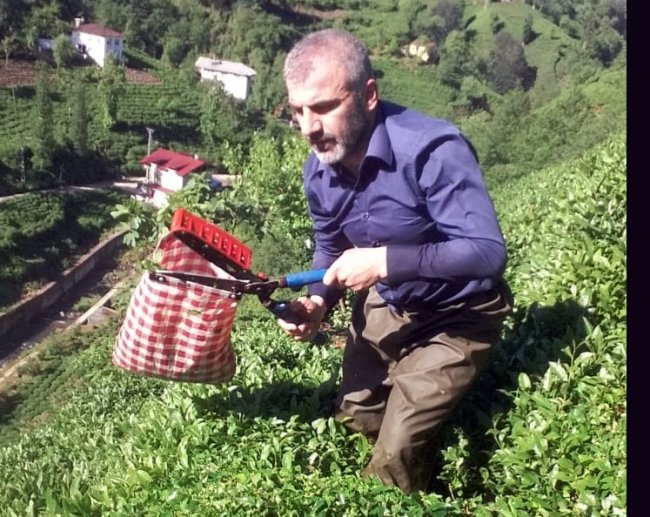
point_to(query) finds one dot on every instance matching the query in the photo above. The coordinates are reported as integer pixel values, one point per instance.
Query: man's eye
(324, 108)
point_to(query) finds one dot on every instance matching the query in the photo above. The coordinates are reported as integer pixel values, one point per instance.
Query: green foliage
(509, 141)
(461, 87)
(543, 432)
(425, 92)
(41, 234)
(565, 435)
(266, 208)
(456, 60)
(80, 118)
(140, 221)
(174, 51)
(111, 87)
(496, 23)
(552, 53)
(527, 32)
(43, 122)
(507, 65)
(62, 50)
(272, 178)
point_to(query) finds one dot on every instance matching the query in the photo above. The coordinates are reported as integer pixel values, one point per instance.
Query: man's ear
(371, 94)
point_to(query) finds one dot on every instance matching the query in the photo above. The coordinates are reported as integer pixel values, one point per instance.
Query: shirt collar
(379, 144)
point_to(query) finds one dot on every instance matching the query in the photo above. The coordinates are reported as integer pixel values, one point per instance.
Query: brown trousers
(404, 373)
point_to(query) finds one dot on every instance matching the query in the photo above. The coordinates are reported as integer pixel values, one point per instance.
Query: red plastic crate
(212, 242)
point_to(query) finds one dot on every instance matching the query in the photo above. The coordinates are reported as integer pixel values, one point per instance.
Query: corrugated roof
(221, 65)
(183, 164)
(98, 30)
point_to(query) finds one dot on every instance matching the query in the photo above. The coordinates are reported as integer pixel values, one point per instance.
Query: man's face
(332, 119)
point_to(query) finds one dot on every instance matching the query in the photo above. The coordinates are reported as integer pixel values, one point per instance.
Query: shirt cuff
(331, 295)
(402, 263)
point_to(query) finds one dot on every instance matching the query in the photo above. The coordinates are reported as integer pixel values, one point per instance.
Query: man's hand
(311, 310)
(357, 268)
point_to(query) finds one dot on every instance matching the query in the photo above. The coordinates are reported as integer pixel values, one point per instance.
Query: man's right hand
(310, 309)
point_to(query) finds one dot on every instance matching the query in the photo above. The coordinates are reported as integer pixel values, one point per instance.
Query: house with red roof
(167, 172)
(97, 41)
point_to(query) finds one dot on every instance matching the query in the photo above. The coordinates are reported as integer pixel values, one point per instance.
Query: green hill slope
(553, 53)
(543, 433)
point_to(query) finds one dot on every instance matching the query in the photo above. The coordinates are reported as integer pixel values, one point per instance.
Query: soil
(24, 72)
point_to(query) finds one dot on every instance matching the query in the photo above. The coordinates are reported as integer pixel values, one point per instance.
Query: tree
(496, 23)
(412, 10)
(225, 118)
(46, 20)
(451, 12)
(62, 51)
(112, 87)
(30, 37)
(8, 44)
(12, 14)
(600, 40)
(604, 45)
(174, 50)
(617, 14)
(527, 33)
(79, 126)
(456, 60)
(43, 123)
(252, 29)
(507, 122)
(507, 65)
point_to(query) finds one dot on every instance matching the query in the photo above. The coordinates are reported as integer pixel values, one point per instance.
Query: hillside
(542, 434)
(457, 87)
(544, 430)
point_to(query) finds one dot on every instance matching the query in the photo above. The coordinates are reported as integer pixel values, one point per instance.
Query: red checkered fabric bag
(176, 330)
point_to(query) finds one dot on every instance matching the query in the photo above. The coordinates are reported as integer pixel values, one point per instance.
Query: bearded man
(402, 217)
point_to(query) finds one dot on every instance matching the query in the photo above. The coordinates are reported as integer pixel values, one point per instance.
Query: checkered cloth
(176, 330)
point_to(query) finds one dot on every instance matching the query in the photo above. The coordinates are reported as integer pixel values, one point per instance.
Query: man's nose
(310, 123)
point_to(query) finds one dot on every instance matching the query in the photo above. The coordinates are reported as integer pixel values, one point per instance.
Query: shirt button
(366, 215)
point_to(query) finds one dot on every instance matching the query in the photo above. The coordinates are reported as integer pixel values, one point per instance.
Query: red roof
(98, 30)
(182, 164)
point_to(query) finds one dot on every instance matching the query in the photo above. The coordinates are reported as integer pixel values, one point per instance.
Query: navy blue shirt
(420, 193)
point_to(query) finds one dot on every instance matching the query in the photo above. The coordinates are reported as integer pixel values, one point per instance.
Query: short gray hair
(334, 45)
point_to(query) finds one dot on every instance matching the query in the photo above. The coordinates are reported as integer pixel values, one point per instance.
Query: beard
(349, 139)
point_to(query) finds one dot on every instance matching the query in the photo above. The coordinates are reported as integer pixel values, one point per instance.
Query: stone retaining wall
(25, 310)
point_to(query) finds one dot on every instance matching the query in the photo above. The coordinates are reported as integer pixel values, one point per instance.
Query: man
(401, 216)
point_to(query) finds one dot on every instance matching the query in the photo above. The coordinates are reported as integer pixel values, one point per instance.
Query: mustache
(324, 137)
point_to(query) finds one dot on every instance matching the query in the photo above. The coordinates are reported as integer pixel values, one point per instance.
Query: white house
(426, 51)
(97, 41)
(236, 78)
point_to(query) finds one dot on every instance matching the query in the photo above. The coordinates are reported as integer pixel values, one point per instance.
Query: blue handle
(298, 280)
